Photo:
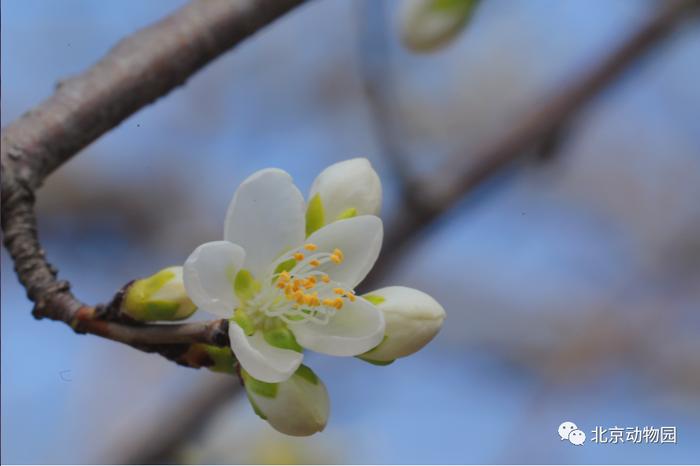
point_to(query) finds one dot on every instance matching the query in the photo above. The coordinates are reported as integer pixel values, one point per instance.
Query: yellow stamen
(299, 256)
(338, 303)
(310, 247)
(328, 302)
(338, 291)
(335, 258)
(351, 296)
(325, 278)
(314, 263)
(339, 253)
(308, 284)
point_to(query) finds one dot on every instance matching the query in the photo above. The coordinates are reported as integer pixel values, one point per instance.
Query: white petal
(355, 329)
(266, 217)
(359, 238)
(412, 317)
(260, 359)
(208, 275)
(299, 406)
(351, 184)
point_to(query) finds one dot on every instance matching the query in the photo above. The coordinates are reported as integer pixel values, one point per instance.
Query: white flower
(343, 190)
(412, 318)
(298, 406)
(161, 296)
(283, 292)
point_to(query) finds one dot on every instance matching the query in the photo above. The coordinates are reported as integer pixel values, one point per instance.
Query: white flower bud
(161, 296)
(298, 406)
(343, 190)
(412, 319)
(427, 25)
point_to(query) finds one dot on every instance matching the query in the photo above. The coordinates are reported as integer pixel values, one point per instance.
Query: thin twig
(533, 129)
(137, 71)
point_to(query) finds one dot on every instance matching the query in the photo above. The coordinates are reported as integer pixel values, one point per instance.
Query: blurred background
(571, 282)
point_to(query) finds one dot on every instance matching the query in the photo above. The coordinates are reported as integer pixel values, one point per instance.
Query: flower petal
(266, 217)
(412, 317)
(355, 329)
(347, 189)
(208, 276)
(359, 238)
(260, 359)
(298, 406)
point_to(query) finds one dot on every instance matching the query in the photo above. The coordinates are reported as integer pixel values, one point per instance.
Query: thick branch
(136, 72)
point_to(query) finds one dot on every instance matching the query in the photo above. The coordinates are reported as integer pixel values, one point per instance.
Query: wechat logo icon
(569, 431)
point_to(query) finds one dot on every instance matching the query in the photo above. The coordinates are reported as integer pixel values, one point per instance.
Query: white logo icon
(569, 431)
(577, 437)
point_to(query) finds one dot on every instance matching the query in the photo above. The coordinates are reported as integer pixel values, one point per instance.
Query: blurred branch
(137, 71)
(377, 77)
(541, 125)
(160, 442)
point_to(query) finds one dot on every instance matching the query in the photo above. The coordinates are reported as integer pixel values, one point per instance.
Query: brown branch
(137, 71)
(536, 127)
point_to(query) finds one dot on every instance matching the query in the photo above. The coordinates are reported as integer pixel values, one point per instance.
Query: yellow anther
(308, 284)
(315, 301)
(314, 263)
(338, 291)
(299, 256)
(308, 299)
(310, 247)
(328, 302)
(351, 296)
(325, 278)
(338, 303)
(336, 259)
(339, 253)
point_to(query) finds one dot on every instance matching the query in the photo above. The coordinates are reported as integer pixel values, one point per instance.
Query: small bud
(298, 406)
(427, 25)
(412, 318)
(343, 190)
(161, 296)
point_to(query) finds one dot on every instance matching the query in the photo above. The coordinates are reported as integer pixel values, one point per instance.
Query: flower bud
(161, 296)
(427, 25)
(412, 319)
(343, 190)
(298, 406)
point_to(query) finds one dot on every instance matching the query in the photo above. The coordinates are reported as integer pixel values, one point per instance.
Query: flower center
(299, 290)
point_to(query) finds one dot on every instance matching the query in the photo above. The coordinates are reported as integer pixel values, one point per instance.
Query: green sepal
(256, 408)
(268, 390)
(307, 374)
(243, 321)
(223, 359)
(139, 292)
(374, 299)
(160, 310)
(347, 213)
(376, 363)
(245, 286)
(314, 214)
(282, 337)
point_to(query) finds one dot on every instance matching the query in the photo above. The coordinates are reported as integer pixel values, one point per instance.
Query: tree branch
(540, 125)
(137, 71)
